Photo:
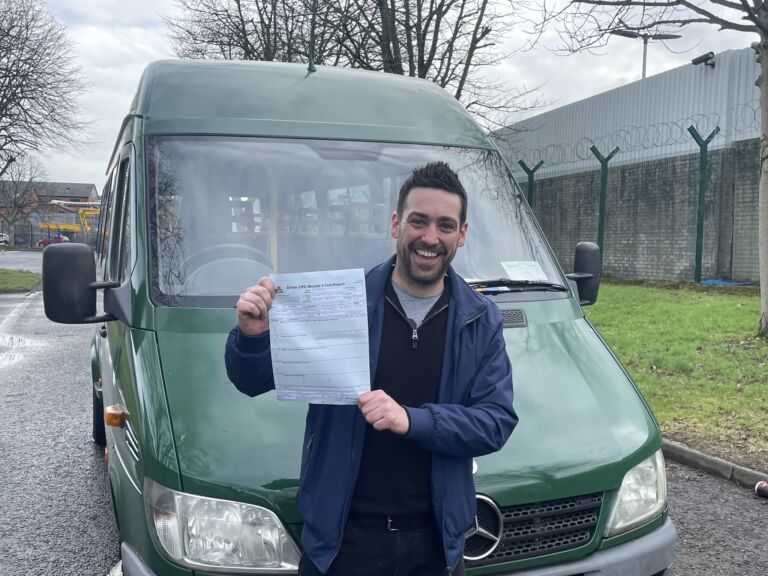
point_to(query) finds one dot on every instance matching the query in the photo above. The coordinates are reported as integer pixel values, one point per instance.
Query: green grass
(17, 280)
(692, 352)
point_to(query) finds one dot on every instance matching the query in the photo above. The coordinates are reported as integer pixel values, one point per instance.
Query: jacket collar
(469, 304)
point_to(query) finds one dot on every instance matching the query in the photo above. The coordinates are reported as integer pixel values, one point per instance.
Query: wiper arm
(517, 285)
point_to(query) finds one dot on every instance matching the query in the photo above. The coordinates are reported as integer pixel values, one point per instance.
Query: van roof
(285, 100)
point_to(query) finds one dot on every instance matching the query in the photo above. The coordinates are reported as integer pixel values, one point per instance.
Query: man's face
(427, 236)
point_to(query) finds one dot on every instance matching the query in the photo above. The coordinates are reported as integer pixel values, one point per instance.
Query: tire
(99, 428)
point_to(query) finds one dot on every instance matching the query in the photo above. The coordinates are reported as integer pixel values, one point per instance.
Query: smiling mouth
(426, 253)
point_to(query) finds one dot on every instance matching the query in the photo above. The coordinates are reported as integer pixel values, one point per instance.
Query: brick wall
(747, 174)
(651, 214)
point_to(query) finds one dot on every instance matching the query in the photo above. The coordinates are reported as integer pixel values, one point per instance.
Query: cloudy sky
(115, 39)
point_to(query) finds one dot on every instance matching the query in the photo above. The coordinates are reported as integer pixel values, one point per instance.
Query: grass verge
(17, 280)
(692, 352)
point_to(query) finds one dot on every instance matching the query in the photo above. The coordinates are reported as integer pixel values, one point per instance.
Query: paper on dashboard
(318, 327)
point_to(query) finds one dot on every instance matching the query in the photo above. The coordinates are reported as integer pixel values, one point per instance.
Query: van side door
(116, 354)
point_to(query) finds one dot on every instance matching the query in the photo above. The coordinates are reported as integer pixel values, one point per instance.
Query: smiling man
(386, 486)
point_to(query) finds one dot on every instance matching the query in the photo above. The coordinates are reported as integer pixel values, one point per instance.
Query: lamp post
(645, 36)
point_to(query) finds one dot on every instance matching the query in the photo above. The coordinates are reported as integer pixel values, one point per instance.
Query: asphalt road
(55, 511)
(722, 529)
(31, 260)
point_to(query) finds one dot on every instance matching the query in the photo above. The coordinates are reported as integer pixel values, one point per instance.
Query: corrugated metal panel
(647, 119)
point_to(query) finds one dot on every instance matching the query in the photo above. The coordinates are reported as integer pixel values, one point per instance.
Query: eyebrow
(426, 217)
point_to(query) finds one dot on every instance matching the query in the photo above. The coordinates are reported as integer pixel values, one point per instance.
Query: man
(386, 486)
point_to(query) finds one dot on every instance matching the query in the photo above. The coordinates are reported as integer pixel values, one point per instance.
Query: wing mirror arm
(104, 317)
(101, 285)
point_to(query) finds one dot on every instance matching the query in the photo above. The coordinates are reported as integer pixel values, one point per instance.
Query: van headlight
(642, 496)
(217, 535)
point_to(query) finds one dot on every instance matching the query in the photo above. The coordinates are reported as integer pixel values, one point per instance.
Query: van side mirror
(69, 284)
(587, 269)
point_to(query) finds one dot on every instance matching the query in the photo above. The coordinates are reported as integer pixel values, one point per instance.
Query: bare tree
(451, 42)
(39, 83)
(18, 199)
(454, 43)
(271, 30)
(586, 24)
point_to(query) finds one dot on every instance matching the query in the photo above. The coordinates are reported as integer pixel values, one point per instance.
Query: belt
(395, 522)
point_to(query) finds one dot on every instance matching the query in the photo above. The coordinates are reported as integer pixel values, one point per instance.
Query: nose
(430, 235)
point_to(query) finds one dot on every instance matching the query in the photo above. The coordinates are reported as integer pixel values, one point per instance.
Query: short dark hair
(433, 175)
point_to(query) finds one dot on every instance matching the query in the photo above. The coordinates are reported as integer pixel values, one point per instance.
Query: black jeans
(369, 549)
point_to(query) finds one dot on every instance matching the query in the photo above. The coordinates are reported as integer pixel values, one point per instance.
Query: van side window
(104, 222)
(100, 223)
(118, 251)
(125, 240)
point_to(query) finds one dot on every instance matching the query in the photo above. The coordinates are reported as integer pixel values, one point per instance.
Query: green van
(226, 171)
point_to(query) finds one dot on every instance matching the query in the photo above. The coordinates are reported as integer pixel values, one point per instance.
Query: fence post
(531, 184)
(603, 187)
(703, 187)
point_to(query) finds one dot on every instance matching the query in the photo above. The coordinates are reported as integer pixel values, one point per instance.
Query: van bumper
(648, 555)
(133, 565)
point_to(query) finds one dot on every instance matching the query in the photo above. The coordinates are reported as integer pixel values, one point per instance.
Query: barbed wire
(744, 118)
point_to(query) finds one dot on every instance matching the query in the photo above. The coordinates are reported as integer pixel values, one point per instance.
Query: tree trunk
(762, 202)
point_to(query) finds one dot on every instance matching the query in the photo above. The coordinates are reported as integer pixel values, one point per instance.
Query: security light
(708, 59)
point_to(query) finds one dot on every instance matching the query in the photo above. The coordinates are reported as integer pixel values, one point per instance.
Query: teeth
(426, 253)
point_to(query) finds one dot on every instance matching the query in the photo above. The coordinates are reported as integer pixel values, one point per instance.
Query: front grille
(530, 530)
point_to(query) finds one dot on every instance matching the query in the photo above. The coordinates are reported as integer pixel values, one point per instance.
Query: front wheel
(99, 429)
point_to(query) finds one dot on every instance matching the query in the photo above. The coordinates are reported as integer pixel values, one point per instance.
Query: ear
(395, 228)
(462, 234)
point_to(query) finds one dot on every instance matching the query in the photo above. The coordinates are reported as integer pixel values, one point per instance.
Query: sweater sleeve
(484, 423)
(249, 362)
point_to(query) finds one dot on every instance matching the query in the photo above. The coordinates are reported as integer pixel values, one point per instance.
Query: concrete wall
(651, 212)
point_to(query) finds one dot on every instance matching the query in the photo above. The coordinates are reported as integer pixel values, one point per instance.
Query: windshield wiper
(508, 285)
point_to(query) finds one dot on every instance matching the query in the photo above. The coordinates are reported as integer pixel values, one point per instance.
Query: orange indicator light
(115, 416)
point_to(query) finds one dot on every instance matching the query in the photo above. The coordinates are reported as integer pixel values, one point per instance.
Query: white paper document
(318, 329)
(524, 270)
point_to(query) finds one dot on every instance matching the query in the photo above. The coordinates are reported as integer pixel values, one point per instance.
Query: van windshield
(225, 211)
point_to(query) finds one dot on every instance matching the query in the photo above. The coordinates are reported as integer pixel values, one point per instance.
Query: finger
(262, 308)
(381, 424)
(367, 408)
(367, 397)
(247, 308)
(258, 296)
(264, 294)
(259, 290)
(268, 284)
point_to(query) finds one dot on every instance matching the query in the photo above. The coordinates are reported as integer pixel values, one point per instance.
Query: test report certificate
(318, 327)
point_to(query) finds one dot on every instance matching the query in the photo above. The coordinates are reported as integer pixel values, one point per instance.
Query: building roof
(278, 99)
(65, 190)
(646, 119)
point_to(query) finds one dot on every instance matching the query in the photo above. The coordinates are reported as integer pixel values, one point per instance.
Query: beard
(417, 274)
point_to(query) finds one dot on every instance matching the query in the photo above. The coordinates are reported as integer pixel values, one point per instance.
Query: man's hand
(253, 307)
(383, 413)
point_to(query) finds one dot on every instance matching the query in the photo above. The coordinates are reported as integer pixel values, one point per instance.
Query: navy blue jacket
(473, 416)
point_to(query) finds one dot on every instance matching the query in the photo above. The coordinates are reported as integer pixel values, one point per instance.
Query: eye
(417, 221)
(447, 226)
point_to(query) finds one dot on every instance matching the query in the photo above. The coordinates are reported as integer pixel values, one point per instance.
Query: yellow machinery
(84, 210)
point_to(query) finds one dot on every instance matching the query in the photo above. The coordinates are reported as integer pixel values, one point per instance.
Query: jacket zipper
(412, 323)
(415, 333)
